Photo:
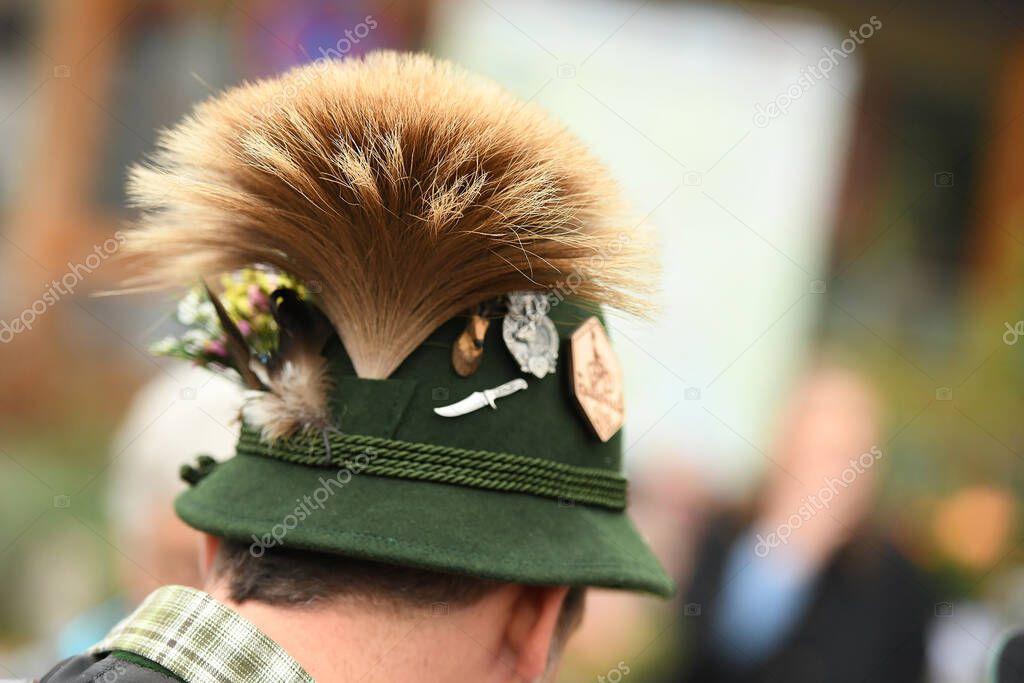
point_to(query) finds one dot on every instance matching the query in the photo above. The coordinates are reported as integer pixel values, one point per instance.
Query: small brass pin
(468, 350)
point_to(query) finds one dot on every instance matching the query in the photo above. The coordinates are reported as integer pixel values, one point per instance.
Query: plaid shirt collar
(200, 640)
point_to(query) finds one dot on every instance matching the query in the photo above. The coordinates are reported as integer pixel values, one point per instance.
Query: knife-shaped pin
(479, 399)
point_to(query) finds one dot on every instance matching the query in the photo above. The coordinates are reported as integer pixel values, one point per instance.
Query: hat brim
(510, 537)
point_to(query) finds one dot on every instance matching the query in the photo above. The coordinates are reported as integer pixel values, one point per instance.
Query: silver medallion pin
(529, 334)
(479, 399)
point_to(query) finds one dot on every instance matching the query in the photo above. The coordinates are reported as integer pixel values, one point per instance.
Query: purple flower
(258, 299)
(244, 327)
(216, 347)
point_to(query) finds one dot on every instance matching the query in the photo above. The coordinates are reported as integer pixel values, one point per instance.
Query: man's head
(483, 630)
(391, 251)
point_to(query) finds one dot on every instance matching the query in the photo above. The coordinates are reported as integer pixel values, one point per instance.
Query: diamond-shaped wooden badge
(597, 379)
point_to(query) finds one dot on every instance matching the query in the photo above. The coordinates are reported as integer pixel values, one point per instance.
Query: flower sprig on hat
(263, 326)
(245, 295)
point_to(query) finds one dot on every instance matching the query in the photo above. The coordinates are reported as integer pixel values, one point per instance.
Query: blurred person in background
(170, 421)
(803, 587)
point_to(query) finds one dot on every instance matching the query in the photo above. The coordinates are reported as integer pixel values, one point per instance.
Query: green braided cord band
(445, 464)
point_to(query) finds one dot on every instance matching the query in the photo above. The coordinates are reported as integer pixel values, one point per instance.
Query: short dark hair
(289, 577)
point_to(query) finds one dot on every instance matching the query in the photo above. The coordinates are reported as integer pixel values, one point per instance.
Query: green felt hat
(358, 213)
(523, 493)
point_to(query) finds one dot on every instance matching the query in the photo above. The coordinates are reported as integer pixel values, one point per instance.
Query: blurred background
(824, 426)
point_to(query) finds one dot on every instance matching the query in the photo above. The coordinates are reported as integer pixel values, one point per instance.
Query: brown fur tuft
(296, 400)
(406, 189)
